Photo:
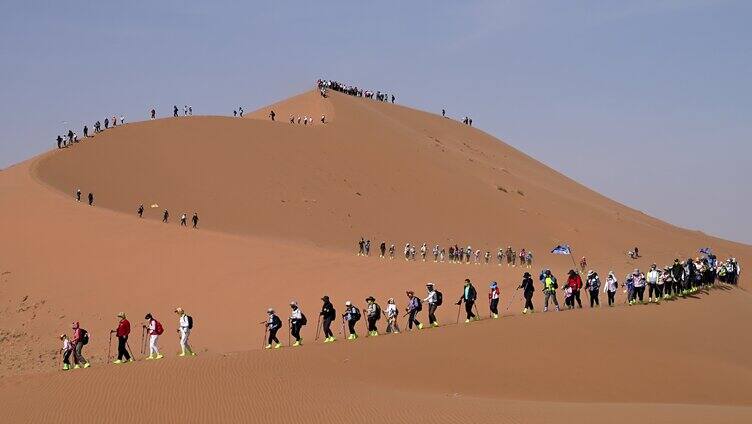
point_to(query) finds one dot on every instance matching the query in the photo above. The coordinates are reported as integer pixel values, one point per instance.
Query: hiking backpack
(84, 337)
(439, 298)
(419, 305)
(303, 319)
(190, 322)
(355, 314)
(378, 311)
(158, 329)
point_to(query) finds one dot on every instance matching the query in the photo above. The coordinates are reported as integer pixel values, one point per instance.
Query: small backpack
(303, 319)
(276, 322)
(355, 314)
(378, 312)
(439, 298)
(190, 322)
(419, 306)
(84, 337)
(158, 329)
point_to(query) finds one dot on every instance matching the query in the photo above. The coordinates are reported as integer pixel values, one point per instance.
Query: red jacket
(76, 336)
(575, 282)
(124, 328)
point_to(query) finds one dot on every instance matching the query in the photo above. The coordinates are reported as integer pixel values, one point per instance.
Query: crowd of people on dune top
(451, 254)
(324, 85)
(71, 138)
(677, 280)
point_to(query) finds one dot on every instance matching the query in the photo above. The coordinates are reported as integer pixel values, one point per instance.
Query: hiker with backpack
(80, 339)
(154, 329)
(593, 286)
(122, 332)
(493, 299)
(434, 299)
(328, 314)
(469, 295)
(610, 287)
(528, 288)
(414, 305)
(352, 316)
(392, 313)
(549, 289)
(185, 325)
(655, 285)
(297, 321)
(373, 315)
(273, 324)
(575, 283)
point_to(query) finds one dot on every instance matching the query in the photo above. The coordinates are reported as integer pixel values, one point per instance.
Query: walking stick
(128, 346)
(475, 305)
(143, 345)
(318, 327)
(289, 330)
(512, 299)
(263, 341)
(109, 348)
(459, 307)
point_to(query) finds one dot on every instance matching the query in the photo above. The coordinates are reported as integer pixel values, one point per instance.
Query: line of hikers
(455, 254)
(166, 217)
(72, 137)
(151, 328)
(678, 280)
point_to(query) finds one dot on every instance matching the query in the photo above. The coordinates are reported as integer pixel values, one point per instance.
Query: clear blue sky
(648, 102)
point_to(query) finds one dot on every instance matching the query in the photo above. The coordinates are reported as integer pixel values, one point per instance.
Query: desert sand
(281, 209)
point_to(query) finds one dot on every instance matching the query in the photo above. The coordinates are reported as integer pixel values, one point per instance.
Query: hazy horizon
(647, 103)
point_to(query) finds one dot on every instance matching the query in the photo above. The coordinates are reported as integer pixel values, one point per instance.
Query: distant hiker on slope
(140, 210)
(80, 339)
(273, 324)
(185, 325)
(297, 321)
(434, 300)
(373, 315)
(414, 306)
(66, 351)
(155, 329)
(328, 315)
(153, 114)
(175, 111)
(392, 313)
(78, 195)
(655, 286)
(469, 294)
(166, 216)
(493, 299)
(639, 286)
(183, 220)
(272, 115)
(91, 199)
(352, 316)
(195, 219)
(382, 249)
(549, 289)
(528, 288)
(122, 332)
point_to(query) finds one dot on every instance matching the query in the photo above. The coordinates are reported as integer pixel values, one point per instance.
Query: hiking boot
(467, 320)
(66, 367)
(278, 345)
(149, 357)
(524, 311)
(420, 326)
(350, 337)
(76, 367)
(296, 344)
(181, 354)
(495, 316)
(118, 362)
(268, 346)
(87, 365)
(545, 309)
(435, 324)
(395, 332)
(159, 356)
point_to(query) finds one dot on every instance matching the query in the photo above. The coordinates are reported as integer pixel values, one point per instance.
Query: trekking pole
(289, 330)
(475, 305)
(342, 328)
(263, 341)
(459, 306)
(318, 326)
(109, 348)
(143, 330)
(128, 346)
(512, 299)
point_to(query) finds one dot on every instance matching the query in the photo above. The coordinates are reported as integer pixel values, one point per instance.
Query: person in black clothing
(195, 219)
(86, 131)
(78, 195)
(165, 215)
(59, 142)
(443, 112)
(328, 315)
(153, 113)
(272, 115)
(141, 210)
(273, 324)
(469, 294)
(70, 136)
(392, 98)
(235, 113)
(106, 123)
(528, 288)
(91, 199)
(382, 249)
(175, 111)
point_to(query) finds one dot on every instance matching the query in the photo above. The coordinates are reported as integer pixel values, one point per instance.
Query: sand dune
(281, 207)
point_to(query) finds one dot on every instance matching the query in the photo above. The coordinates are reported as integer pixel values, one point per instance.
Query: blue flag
(561, 249)
(706, 251)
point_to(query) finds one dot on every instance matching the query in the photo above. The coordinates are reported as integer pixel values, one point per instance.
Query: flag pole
(571, 255)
